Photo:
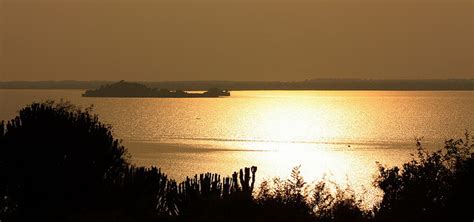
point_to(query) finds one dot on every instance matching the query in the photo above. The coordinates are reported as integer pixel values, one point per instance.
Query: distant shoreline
(317, 84)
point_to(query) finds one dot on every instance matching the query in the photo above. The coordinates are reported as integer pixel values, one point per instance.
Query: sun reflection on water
(340, 134)
(337, 135)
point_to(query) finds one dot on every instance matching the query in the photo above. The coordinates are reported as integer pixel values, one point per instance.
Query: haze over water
(340, 134)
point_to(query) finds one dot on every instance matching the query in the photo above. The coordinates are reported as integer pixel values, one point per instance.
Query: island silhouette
(130, 89)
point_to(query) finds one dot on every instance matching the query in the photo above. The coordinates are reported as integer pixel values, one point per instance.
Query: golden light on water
(292, 122)
(333, 135)
(337, 134)
(290, 132)
(340, 134)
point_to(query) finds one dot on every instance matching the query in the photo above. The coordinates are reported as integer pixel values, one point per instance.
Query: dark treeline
(314, 84)
(326, 84)
(130, 89)
(68, 84)
(59, 163)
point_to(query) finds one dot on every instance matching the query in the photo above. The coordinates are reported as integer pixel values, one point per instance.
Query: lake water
(334, 134)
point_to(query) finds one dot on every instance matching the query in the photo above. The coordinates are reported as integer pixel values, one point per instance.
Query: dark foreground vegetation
(59, 163)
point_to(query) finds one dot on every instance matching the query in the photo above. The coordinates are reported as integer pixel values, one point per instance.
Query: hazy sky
(235, 39)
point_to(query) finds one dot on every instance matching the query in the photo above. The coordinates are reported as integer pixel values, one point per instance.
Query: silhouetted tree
(434, 186)
(138, 194)
(54, 162)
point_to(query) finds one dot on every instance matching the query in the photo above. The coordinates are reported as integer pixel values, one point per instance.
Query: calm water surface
(334, 134)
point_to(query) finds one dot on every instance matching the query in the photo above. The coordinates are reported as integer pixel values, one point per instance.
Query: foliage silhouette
(295, 200)
(434, 186)
(210, 198)
(54, 158)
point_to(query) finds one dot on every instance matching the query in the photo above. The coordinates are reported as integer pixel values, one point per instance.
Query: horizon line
(287, 81)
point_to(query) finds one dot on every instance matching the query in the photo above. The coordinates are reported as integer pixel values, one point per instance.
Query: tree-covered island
(128, 89)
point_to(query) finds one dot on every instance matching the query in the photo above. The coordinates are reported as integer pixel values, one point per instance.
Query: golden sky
(235, 39)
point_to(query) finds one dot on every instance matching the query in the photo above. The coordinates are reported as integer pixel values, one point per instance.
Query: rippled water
(340, 134)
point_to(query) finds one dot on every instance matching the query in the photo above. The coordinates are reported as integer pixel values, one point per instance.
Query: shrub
(431, 187)
(295, 200)
(54, 161)
(337, 204)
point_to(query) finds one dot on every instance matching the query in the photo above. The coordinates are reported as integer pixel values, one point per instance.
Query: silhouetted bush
(337, 204)
(434, 186)
(294, 200)
(54, 161)
(210, 198)
(285, 200)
